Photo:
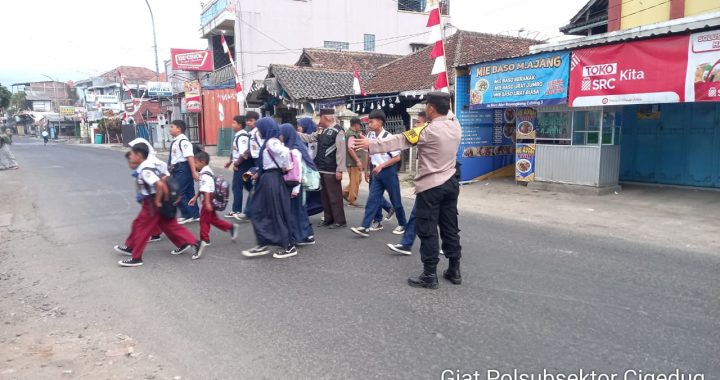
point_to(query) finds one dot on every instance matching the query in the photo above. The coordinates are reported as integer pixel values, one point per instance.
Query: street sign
(159, 89)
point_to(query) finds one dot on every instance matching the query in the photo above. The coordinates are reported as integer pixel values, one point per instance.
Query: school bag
(221, 195)
(168, 207)
(310, 178)
(293, 175)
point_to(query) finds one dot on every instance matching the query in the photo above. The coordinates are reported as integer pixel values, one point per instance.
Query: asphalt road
(534, 297)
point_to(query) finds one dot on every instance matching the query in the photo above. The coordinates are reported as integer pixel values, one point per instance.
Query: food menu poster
(525, 163)
(536, 80)
(526, 120)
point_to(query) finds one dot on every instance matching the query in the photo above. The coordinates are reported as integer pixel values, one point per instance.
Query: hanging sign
(191, 60)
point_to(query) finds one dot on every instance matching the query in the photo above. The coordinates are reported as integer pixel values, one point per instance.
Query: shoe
(130, 263)
(242, 217)
(123, 249)
(194, 220)
(452, 274)
(234, 232)
(309, 241)
(427, 279)
(323, 224)
(199, 249)
(260, 250)
(155, 239)
(390, 214)
(181, 250)
(362, 231)
(376, 226)
(401, 249)
(230, 215)
(337, 226)
(399, 230)
(289, 252)
(442, 253)
(182, 221)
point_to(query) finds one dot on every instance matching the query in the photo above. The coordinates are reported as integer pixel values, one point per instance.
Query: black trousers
(332, 200)
(436, 209)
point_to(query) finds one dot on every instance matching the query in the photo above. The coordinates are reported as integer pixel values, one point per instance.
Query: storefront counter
(596, 166)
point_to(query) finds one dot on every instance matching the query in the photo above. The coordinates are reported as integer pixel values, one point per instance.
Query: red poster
(191, 60)
(703, 74)
(639, 72)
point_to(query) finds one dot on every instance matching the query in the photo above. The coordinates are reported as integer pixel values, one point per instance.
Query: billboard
(191, 60)
(535, 80)
(702, 82)
(159, 89)
(192, 96)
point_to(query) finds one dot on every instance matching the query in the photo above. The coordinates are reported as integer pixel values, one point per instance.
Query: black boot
(452, 274)
(427, 279)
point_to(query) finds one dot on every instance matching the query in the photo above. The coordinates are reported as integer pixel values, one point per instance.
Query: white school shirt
(147, 179)
(255, 143)
(181, 150)
(381, 158)
(207, 180)
(44, 134)
(299, 162)
(280, 153)
(240, 144)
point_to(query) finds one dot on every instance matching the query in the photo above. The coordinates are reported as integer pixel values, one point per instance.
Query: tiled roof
(412, 72)
(304, 83)
(343, 60)
(131, 74)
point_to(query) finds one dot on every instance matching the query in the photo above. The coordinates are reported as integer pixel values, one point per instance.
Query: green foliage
(18, 102)
(5, 96)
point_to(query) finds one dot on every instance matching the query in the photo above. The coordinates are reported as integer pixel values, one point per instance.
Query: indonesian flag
(438, 51)
(357, 86)
(238, 77)
(98, 105)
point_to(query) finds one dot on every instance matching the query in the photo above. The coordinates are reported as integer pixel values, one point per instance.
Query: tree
(18, 102)
(5, 96)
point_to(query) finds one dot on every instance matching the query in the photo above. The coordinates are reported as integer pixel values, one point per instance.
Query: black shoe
(390, 214)
(308, 241)
(362, 231)
(155, 239)
(323, 224)
(284, 254)
(182, 249)
(399, 248)
(130, 263)
(426, 279)
(337, 226)
(125, 250)
(452, 274)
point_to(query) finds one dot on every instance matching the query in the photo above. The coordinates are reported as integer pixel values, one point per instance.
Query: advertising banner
(639, 72)
(535, 80)
(159, 89)
(191, 60)
(67, 110)
(702, 83)
(192, 96)
(526, 122)
(525, 163)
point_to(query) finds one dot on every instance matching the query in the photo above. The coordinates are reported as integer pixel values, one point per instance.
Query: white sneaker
(376, 226)
(199, 249)
(184, 220)
(399, 230)
(260, 250)
(284, 254)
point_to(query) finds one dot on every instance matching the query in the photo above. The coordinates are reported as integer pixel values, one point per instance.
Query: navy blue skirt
(300, 228)
(313, 203)
(270, 215)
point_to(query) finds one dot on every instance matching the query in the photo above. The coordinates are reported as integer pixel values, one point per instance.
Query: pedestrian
(270, 216)
(181, 162)
(208, 216)
(301, 231)
(355, 162)
(384, 178)
(330, 161)
(241, 161)
(437, 187)
(255, 141)
(7, 158)
(313, 198)
(151, 191)
(45, 136)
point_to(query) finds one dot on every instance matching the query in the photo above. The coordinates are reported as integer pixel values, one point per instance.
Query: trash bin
(98, 138)
(225, 140)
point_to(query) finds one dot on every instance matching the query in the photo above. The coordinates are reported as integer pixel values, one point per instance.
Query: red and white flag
(357, 86)
(438, 51)
(126, 88)
(236, 72)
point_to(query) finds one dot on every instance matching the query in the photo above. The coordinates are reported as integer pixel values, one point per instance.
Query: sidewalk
(679, 218)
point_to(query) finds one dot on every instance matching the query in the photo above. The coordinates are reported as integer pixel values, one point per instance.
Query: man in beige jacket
(437, 187)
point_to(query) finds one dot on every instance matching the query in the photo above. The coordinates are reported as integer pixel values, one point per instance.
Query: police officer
(437, 187)
(330, 161)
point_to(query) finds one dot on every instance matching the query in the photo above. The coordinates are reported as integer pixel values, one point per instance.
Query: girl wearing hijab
(313, 201)
(301, 232)
(271, 202)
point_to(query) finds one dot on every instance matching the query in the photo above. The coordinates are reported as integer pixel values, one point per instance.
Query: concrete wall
(696, 7)
(637, 13)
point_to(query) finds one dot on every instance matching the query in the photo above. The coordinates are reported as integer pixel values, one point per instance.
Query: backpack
(310, 178)
(397, 165)
(293, 176)
(168, 208)
(197, 148)
(221, 196)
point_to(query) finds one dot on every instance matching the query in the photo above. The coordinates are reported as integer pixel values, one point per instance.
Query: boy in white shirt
(208, 216)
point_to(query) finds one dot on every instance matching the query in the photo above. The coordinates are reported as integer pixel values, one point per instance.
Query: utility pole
(152, 19)
(239, 53)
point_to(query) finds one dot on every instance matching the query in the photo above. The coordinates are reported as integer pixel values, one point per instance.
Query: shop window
(586, 127)
(554, 128)
(611, 127)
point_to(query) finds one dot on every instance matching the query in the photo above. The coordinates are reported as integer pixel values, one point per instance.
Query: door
(670, 159)
(702, 146)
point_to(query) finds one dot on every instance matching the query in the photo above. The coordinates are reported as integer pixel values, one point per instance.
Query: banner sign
(192, 96)
(90, 98)
(525, 163)
(159, 89)
(526, 122)
(639, 72)
(536, 80)
(702, 83)
(67, 110)
(191, 60)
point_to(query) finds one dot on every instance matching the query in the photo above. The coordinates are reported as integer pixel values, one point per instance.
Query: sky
(77, 39)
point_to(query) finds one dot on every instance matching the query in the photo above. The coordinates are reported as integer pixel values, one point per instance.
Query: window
(337, 45)
(419, 6)
(554, 127)
(369, 42)
(586, 127)
(612, 119)
(417, 46)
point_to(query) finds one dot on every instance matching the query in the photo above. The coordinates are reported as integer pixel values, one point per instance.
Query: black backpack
(168, 208)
